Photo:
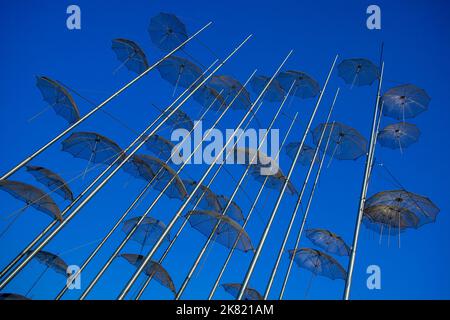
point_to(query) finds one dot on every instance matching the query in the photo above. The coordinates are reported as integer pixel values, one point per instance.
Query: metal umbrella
(167, 31)
(274, 93)
(208, 199)
(359, 72)
(231, 88)
(160, 147)
(249, 294)
(179, 119)
(306, 155)
(139, 169)
(207, 96)
(329, 241)
(233, 210)
(405, 101)
(305, 86)
(52, 261)
(12, 296)
(399, 135)
(179, 72)
(130, 54)
(148, 231)
(51, 180)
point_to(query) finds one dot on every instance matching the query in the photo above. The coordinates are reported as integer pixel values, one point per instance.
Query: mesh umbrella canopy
(304, 87)
(12, 296)
(233, 211)
(138, 168)
(231, 88)
(93, 147)
(52, 261)
(209, 200)
(58, 98)
(164, 175)
(405, 101)
(152, 269)
(399, 135)
(130, 54)
(423, 208)
(160, 147)
(249, 293)
(306, 155)
(148, 231)
(227, 231)
(346, 143)
(52, 181)
(210, 97)
(32, 196)
(358, 71)
(329, 241)
(179, 71)
(318, 262)
(166, 31)
(274, 92)
(274, 181)
(179, 119)
(391, 216)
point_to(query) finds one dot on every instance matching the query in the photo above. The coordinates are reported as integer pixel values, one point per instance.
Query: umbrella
(160, 147)
(399, 135)
(360, 72)
(130, 54)
(209, 200)
(274, 92)
(52, 181)
(391, 216)
(148, 231)
(139, 169)
(249, 293)
(12, 296)
(423, 208)
(346, 143)
(179, 71)
(233, 211)
(166, 31)
(179, 119)
(32, 196)
(319, 263)
(209, 97)
(230, 88)
(93, 147)
(306, 155)
(405, 101)
(152, 269)
(52, 261)
(164, 175)
(227, 230)
(58, 98)
(329, 241)
(304, 87)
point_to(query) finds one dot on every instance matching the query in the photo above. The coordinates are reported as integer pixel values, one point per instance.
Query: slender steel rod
(183, 225)
(247, 219)
(127, 211)
(90, 113)
(305, 215)
(89, 187)
(283, 189)
(364, 187)
(150, 208)
(181, 209)
(229, 202)
(299, 201)
(140, 141)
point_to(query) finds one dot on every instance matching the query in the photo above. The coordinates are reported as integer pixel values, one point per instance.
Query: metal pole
(129, 235)
(180, 210)
(89, 187)
(140, 140)
(90, 113)
(230, 200)
(247, 219)
(305, 215)
(280, 196)
(362, 200)
(299, 202)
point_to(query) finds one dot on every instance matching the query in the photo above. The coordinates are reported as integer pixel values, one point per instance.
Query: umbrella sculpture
(304, 87)
(346, 143)
(233, 211)
(58, 98)
(52, 181)
(234, 288)
(274, 93)
(138, 168)
(166, 31)
(148, 231)
(226, 232)
(153, 269)
(207, 96)
(179, 72)
(390, 217)
(12, 296)
(52, 261)
(405, 101)
(160, 147)
(230, 88)
(329, 241)
(32, 196)
(359, 72)
(399, 135)
(130, 54)
(306, 155)
(179, 120)
(209, 200)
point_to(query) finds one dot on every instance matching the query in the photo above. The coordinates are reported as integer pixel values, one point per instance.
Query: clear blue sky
(35, 41)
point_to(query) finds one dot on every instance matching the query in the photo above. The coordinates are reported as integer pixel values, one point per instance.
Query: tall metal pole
(247, 219)
(230, 200)
(152, 205)
(90, 113)
(362, 199)
(305, 215)
(88, 188)
(181, 209)
(298, 203)
(280, 196)
(140, 140)
(127, 211)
